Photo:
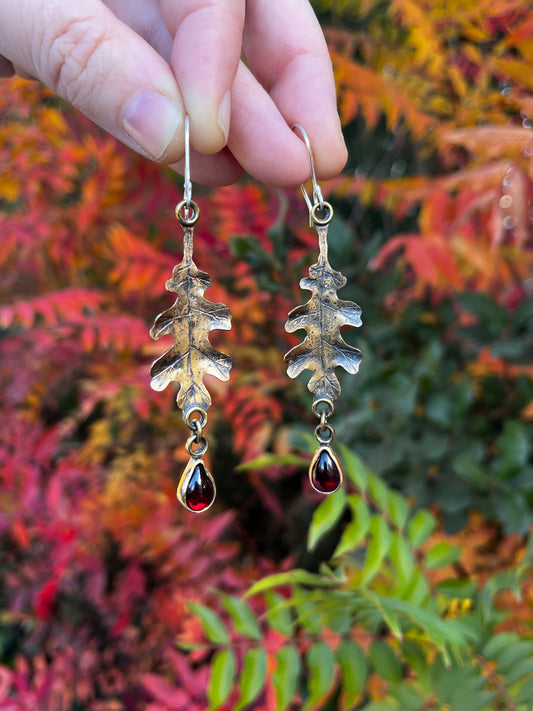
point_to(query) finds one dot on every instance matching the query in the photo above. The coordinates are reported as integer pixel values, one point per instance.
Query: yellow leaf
(475, 33)
(473, 53)
(10, 189)
(520, 72)
(457, 80)
(490, 141)
(526, 49)
(527, 412)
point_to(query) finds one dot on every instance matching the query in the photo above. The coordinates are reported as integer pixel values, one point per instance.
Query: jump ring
(201, 446)
(324, 435)
(188, 212)
(323, 420)
(194, 422)
(323, 405)
(327, 211)
(197, 430)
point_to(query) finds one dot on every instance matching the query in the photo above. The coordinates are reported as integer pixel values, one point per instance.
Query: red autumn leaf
(174, 699)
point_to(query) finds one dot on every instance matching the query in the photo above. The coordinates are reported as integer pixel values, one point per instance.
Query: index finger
(286, 51)
(205, 56)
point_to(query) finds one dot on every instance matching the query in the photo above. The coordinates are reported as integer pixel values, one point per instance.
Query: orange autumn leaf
(429, 257)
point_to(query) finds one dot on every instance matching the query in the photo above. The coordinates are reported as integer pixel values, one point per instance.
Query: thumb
(205, 58)
(98, 64)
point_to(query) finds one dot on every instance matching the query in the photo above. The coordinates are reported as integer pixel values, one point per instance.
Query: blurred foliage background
(408, 590)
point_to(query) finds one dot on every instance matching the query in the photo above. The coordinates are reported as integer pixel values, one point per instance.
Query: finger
(255, 132)
(6, 67)
(260, 138)
(205, 56)
(287, 52)
(145, 19)
(219, 169)
(22, 73)
(98, 64)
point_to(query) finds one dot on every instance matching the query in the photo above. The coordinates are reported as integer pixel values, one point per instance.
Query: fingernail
(224, 112)
(152, 122)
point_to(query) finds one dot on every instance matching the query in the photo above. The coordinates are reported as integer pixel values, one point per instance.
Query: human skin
(136, 67)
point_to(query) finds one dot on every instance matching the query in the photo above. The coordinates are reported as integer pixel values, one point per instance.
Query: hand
(135, 67)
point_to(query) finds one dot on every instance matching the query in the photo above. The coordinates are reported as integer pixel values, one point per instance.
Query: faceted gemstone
(325, 472)
(196, 490)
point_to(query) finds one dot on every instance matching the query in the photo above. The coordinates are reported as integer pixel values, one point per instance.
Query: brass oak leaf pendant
(189, 320)
(323, 348)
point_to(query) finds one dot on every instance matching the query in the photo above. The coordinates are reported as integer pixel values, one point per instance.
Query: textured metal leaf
(323, 348)
(189, 321)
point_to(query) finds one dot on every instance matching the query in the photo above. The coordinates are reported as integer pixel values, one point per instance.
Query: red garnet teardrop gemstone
(196, 490)
(325, 472)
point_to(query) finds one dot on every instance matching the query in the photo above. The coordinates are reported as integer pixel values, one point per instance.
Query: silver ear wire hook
(187, 211)
(317, 192)
(187, 185)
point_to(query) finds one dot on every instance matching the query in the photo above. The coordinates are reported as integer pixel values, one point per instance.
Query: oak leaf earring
(323, 348)
(189, 320)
